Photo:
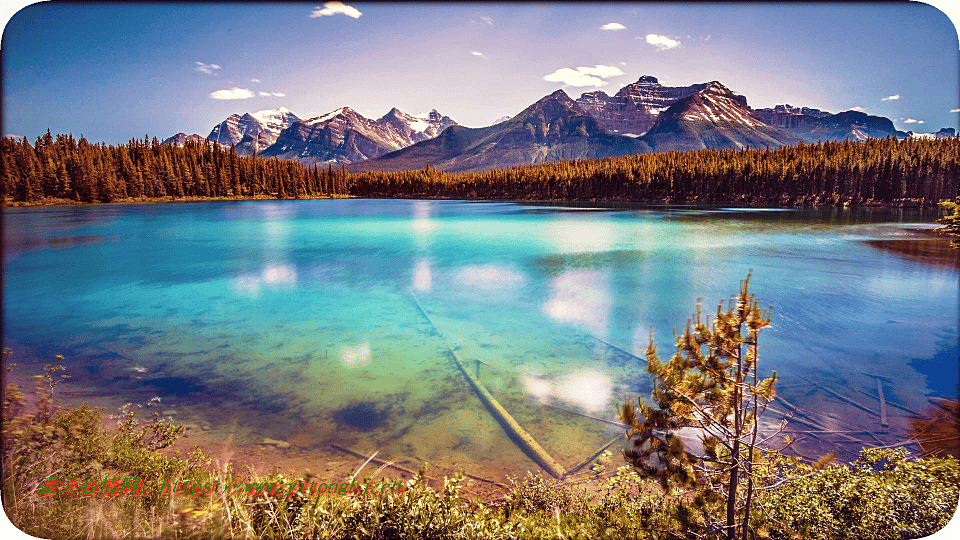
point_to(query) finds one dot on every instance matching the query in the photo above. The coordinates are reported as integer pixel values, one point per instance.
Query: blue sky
(116, 71)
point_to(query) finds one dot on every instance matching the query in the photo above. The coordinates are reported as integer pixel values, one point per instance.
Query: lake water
(297, 320)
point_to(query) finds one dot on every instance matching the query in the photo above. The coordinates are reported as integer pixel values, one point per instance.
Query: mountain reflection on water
(295, 320)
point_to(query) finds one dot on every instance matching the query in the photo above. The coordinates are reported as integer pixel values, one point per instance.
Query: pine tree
(717, 393)
(951, 223)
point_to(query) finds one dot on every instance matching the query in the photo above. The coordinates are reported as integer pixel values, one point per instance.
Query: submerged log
(590, 459)
(842, 397)
(883, 405)
(373, 459)
(519, 436)
(594, 418)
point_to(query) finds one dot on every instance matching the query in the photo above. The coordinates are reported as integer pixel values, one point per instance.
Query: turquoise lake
(297, 320)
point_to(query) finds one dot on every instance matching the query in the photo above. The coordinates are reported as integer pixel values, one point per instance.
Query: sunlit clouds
(912, 121)
(613, 26)
(487, 20)
(891, 98)
(232, 93)
(209, 69)
(242, 93)
(662, 42)
(584, 76)
(335, 8)
(477, 53)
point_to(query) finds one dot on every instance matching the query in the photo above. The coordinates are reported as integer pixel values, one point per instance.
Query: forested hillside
(64, 168)
(879, 171)
(888, 171)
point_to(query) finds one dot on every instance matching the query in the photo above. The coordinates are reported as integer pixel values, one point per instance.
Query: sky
(116, 71)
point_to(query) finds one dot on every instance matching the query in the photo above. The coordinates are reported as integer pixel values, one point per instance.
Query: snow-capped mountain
(713, 117)
(814, 125)
(419, 127)
(554, 128)
(346, 136)
(182, 138)
(634, 108)
(252, 132)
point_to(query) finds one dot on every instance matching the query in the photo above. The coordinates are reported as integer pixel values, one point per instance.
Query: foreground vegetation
(910, 172)
(883, 495)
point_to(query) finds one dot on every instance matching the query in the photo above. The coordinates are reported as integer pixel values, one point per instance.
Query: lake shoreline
(808, 202)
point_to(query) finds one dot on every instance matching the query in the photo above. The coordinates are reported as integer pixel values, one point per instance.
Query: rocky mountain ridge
(641, 117)
(345, 136)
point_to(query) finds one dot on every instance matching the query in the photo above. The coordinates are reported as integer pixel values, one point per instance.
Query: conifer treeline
(883, 171)
(64, 168)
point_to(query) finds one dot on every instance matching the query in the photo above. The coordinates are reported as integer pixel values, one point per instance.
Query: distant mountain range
(641, 117)
(339, 137)
(555, 128)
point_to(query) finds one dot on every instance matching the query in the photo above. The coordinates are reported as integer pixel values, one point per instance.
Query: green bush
(882, 495)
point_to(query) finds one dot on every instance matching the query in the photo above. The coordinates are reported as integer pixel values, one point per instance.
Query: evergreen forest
(887, 172)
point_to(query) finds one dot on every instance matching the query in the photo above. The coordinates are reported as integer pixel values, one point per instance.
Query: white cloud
(954, 110)
(572, 77)
(857, 108)
(584, 76)
(233, 93)
(476, 53)
(601, 71)
(335, 8)
(268, 94)
(255, 80)
(487, 20)
(613, 26)
(911, 121)
(888, 98)
(206, 68)
(662, 42)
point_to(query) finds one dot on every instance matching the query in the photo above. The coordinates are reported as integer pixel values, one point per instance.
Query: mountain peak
(342, 111)
(647, 79)
(717, 88)
(559, 96)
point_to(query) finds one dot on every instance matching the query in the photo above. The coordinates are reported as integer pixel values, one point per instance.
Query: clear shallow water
(295, 320)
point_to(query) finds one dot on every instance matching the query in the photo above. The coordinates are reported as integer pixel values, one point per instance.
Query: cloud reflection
(355, 356)
(579, 236)
(422, 276)
(588, 390)
(490, 277)
(271, 277)
(581, 298)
